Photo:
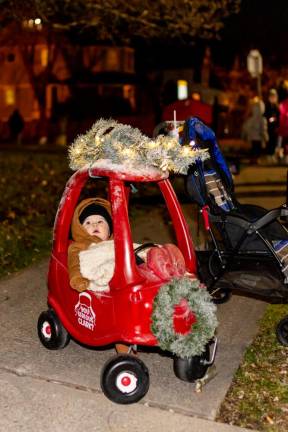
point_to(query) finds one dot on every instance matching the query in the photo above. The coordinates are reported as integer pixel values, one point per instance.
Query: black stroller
(248, 248)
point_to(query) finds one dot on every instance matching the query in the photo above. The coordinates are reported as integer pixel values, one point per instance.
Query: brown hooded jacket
(82, 240)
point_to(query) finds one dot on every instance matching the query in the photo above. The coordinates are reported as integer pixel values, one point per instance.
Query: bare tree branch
(124, 20)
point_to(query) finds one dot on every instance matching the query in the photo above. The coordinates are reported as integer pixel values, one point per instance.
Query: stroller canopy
(210, 180)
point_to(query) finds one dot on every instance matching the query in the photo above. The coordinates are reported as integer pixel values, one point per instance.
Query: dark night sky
(260, 24)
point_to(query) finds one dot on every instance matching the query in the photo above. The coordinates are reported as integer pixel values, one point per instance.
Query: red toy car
(124, 313)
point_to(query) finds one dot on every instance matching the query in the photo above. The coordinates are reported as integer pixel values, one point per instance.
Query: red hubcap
(46, 330)
(126, 381)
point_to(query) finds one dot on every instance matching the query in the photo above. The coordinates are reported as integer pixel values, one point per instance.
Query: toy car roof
(105, 168)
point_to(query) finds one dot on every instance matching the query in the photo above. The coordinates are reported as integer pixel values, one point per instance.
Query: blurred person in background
(272, 115)
(283, 130)
(255, 130)
(16, 126)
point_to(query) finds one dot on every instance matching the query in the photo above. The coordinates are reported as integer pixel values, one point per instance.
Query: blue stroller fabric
(209, 181)
(197, 129)
(281, 249)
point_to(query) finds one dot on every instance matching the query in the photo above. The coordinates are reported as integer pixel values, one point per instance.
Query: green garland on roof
(124, 145)
(200, 303)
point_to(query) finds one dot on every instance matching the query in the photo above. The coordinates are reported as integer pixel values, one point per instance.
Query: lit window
(44, 56)
(112, 59)
(182, 89)
(10, 96)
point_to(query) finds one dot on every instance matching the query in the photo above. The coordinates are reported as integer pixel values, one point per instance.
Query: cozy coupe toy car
(124, 313)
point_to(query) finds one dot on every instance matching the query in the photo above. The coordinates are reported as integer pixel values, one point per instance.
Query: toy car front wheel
(282, 331)
(51, 332)
(192, 368)
(124, 379)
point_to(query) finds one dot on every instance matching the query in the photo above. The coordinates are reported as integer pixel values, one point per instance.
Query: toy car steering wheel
(139, 260)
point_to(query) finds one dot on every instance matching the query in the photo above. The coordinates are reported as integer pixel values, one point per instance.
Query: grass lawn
(258, 396)
(31, 185)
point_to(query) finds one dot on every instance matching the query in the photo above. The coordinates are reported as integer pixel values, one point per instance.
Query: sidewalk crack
(23, 374)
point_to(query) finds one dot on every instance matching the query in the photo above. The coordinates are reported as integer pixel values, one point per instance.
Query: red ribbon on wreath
(183, 318)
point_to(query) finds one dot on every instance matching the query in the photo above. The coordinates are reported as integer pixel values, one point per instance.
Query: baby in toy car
(91, 255)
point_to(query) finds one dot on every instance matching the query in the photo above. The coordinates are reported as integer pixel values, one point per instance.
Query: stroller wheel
(192, 368)
(282, 331)
(221, 295)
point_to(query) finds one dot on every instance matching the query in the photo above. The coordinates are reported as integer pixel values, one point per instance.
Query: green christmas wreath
(199, 301)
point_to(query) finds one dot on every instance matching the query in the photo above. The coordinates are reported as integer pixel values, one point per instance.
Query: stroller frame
(226, 257)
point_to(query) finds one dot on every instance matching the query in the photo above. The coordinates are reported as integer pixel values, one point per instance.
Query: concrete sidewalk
(44, 390)
(33, 404)
(259, 182)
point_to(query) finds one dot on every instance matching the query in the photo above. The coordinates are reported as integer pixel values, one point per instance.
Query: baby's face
(97, 226)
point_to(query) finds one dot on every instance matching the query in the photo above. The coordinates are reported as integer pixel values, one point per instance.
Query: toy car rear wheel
(221, 295)
(51, 332)
(192, 368)
(282, 331)
(124, 379)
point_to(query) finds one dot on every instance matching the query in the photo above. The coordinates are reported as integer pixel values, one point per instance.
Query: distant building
(45, 78)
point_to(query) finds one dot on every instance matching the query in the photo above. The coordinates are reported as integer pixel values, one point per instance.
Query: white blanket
(97, 264)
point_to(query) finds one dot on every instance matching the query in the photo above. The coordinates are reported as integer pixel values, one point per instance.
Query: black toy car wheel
(282, 331)
(51, 332)
(221, 295)
(192, 368)
(124, 379)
